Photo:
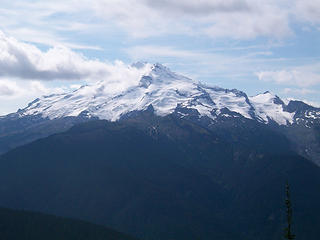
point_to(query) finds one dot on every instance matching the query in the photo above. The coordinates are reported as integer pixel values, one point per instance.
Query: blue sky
(252, 45)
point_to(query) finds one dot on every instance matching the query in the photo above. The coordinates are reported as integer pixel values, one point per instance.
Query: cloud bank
(27, 72)
(236, 19)
(25, 61)
(304, 76)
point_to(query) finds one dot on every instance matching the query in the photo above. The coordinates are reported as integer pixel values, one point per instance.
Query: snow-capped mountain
(166, 91)
(131, 90)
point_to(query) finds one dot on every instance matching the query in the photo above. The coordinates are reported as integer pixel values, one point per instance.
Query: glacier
(157, 85)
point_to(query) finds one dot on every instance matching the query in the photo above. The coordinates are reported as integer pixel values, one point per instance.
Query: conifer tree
(288, 231)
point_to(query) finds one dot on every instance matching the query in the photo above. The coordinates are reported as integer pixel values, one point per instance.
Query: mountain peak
(143, 84)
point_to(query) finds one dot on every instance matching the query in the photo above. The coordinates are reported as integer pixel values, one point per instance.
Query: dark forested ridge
(167, 178)
(16, 131)
(25, 225)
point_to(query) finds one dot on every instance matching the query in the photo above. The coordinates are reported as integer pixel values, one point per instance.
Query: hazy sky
(254, 45)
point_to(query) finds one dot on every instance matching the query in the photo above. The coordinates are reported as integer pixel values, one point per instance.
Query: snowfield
(154, 84)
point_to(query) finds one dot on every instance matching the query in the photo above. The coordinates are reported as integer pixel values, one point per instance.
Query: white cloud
(308, 10)
(303, 76)
(15, 93)
(9, 89)
(238, 19)
(26, 72)
(25, 61)
(265, 19)
(198, 8)
(13, 89)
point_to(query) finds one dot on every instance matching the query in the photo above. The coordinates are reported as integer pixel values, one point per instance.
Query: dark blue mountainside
(168, 178)
(25, 225)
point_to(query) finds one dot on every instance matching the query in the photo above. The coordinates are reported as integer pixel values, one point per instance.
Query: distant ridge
(26, 225)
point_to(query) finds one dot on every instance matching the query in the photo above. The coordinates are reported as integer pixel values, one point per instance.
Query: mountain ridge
(154, 85)
(157, 85)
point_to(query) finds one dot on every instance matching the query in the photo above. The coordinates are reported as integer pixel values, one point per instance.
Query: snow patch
(266, 108)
